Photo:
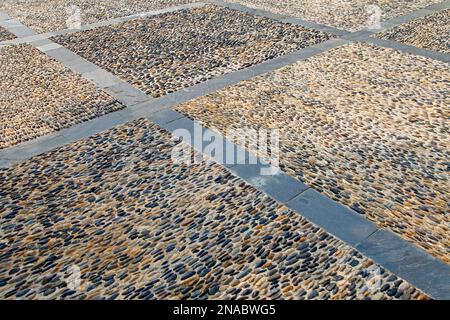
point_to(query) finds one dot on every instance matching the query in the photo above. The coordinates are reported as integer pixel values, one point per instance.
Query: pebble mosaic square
(431, 32)
(190, 46)
(53, 15)
(366, 126)
(137, 225)
(350, 15)
(5, 34)
(39, 96)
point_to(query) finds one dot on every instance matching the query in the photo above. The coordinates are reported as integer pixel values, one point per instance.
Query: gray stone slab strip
(337, 219)
(279, 17)
(225, 152)
(102, 78)
(360, 35)
(408, 262)
(28, 39)
(396, 21)
(48, 46)
(439, 6)
(255, 171)
(29, 149)
(401, 19)
(225, 80)
(363, 34)
(41, 43)
(279, 185)
(61, 54)
(165, 116)
(409, 49)
(4, 16)
(127, 94)
(10, 23)
(94, 126)
(80, 65)
(16, 28)
(210, 145)
(121, 90)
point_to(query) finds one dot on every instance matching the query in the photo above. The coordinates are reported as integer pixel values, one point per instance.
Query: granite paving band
(435, 55)
(443, 5)
(395, 177)
(139, 226)
(431, 32)
(346, 15)
(53, 15)
(14, 27)
(401, 258)
(191, 46)
(39, 96)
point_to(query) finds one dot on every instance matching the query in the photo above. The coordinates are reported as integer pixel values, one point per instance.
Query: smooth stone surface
(340, 221)
(278, 185)
(408, 262)
(127, 94)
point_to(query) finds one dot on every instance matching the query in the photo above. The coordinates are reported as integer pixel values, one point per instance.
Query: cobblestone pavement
(52, 15)
(138, 225)
(431, 32)
(191, 46)
(346, 132)
(348, 15)
(39, 96)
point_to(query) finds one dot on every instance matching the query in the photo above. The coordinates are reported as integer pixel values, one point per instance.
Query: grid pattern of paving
(367, 126)
(5, 34)
(140, 226)
(431, 32)
(191, 46)
(351, 15)
(39, 96)
(52, 15)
